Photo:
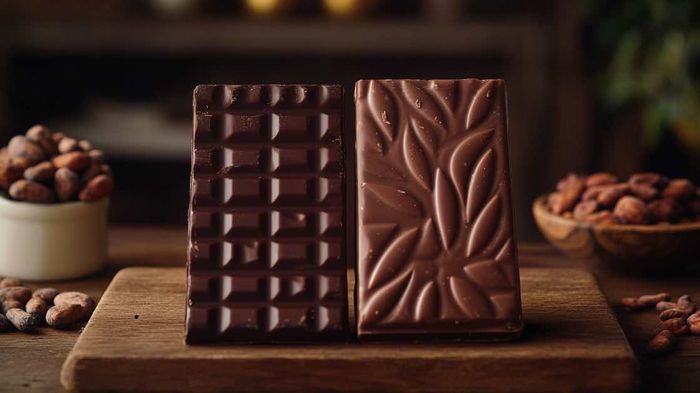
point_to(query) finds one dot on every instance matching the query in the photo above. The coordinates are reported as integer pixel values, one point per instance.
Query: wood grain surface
(135, 342)
(32, 363)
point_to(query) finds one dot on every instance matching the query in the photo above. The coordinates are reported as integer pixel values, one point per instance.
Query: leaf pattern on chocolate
(425, 135)
(394, 257)
(464, 156)
(372, 140)
(487, 273)
(379, 170)
(403, 310)
(383, 300)
(446, 209)
(415, 159)
(499, 236)
(376, 237)
(480, 183)
(428, 303)
(398, 200)
(480, 107)
(484, 226)
(469, 298)
(505, 260)
(505, 251)
(502, 304)
(428, 244)
(449, 92)
(383, 109)
(425, 106)
(436, 176)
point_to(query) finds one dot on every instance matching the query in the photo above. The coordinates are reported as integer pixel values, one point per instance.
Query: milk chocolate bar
(436, 253)
(266, 219)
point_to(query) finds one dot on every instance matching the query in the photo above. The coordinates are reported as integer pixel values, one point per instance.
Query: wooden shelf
(313, 37)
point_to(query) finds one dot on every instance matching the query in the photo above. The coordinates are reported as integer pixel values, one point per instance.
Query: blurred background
(593, 85)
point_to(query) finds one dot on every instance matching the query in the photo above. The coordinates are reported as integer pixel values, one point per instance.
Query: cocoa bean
(601, 217)
(22, 162)
(64, 315)
(680, 189)
(37, 307)
(21, 147)
(654, 179)
(38, 132)
(67, 145)
(593, 192)
(677, 326)
(644, 191)
(631, 210)
(41, 135)
(97, 188)
(9, 173)
(29, 191)
(661, 343)
(22, 320)
(600, 179)
(90, 173)
(21, 294)
(75, 161)
(694, 323)
(584, 209)
(66, 183)
(609, 195)
(664, 210)
(42, 172)
(46, 294)
(644, 301)
(10, 304)
(664, 305)
(84, 301)
(686, 304)
(673, 313)
(570, 189)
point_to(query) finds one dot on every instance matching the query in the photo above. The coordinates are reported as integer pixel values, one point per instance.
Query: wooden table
(32, 363)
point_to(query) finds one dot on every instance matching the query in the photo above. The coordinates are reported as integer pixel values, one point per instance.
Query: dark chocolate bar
(437, 258)
(267, 224)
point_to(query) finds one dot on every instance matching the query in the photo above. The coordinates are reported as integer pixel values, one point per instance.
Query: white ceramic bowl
(52, 242)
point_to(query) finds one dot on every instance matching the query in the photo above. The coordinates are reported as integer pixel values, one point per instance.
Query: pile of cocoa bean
(677, 318)
(645, 198)
(25, 310)
(45, 167)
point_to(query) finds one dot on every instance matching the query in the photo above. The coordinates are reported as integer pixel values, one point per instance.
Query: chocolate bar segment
(266, 220)
(437, 257)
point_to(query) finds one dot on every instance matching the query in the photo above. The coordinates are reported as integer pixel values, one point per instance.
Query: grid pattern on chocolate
(436, 253)
(267, 237)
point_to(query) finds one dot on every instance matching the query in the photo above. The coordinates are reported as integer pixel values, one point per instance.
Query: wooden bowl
(662, 248)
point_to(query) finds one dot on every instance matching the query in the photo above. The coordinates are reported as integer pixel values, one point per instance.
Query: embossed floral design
(436, 241)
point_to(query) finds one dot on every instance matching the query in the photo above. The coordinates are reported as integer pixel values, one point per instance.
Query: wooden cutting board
(135, 342)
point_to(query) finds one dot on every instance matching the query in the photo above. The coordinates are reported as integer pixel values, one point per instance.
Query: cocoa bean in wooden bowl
(54, 197)
(645, 224)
